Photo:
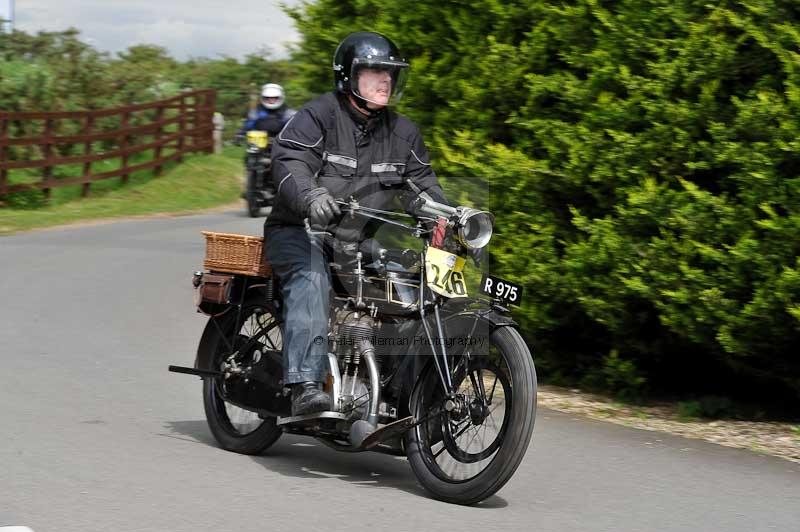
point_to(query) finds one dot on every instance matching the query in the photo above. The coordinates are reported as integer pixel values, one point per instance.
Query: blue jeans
(299, 263)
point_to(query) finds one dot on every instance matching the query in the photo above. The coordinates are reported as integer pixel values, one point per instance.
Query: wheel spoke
(495, 408)
(468, 447)
(481, 392)
(491, 394)
(474, 382)
(453, 465)
(264, 333)
(440, 451)
(491, 419)
(256, 325)
(477, 431)
(462, 431)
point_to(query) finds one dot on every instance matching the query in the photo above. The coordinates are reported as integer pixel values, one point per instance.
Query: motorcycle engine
(353, 328)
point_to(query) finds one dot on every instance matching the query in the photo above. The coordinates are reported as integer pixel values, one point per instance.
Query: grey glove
(321, 207)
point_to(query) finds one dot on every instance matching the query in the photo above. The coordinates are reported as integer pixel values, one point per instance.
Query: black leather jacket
(269, 120)
(330, 144)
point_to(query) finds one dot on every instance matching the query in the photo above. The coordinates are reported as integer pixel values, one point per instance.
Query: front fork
(440, 356)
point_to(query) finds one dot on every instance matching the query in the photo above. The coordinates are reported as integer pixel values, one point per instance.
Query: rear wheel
(471, 444)
(239, 339)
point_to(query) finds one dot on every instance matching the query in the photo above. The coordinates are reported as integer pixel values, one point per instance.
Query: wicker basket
(226, 252)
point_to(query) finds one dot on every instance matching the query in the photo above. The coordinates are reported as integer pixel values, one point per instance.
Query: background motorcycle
(455, 391)
(259, 191)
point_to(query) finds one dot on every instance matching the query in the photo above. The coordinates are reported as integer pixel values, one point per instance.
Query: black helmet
(368, 50)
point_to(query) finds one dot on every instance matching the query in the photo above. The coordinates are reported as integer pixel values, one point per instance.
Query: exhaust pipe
(363, 428)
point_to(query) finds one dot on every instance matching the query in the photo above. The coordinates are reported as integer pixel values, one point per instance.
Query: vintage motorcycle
(416, 366)
(259, 191)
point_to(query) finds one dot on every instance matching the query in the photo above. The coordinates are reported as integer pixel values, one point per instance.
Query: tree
(642, 153)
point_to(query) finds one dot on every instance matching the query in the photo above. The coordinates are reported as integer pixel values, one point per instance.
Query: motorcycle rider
(344, 144)
(271, 113)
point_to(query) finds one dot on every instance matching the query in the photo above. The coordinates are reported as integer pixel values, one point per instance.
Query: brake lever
(348, 207)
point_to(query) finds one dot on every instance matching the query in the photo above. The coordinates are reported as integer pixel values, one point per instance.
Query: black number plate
(498, 288)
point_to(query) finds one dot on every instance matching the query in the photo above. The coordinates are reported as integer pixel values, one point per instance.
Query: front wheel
(252, 195)
(470, 444)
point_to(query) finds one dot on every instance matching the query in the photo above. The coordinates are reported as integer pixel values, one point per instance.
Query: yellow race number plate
(259, 138)
(444, 272)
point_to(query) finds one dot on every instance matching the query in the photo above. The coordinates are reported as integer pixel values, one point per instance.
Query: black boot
(308, 398)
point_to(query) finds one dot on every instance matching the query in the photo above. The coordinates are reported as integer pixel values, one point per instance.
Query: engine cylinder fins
(354, 332)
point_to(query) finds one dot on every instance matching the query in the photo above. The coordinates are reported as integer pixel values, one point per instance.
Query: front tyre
(465, 454)
(252, 195)
(234, 340)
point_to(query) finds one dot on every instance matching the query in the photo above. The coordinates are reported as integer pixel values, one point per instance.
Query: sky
(187, 28)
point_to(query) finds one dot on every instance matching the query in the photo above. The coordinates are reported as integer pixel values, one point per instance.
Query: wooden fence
(170, 128)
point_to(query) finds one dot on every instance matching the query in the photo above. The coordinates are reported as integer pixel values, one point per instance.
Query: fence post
(47, 155)
(219, 126)
(196, 119)
(157, 138)
(208, 120)
(181, 127)
(126, 116)
(4, 151)
(87, 150)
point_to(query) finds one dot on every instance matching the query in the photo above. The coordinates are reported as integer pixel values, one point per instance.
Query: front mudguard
(485, 310)
(458, 315)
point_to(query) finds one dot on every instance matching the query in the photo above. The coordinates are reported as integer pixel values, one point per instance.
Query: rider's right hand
(321, 207)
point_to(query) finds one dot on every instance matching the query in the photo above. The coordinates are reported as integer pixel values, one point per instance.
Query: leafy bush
(644, 154)
(622, 377)
(709, 406)
(689, 409)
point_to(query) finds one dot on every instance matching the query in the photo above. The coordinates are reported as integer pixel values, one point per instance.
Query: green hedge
(643, 158)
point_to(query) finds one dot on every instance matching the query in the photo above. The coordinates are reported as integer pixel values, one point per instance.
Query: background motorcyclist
(271, 113)
(344, 144)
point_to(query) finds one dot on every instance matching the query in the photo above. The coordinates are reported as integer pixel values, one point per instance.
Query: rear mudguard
(262, 390)
(245, 288)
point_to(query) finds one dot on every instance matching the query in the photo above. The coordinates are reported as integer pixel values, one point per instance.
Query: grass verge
(200, 182)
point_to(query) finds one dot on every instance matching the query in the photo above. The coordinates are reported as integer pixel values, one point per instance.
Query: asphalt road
(98, 436)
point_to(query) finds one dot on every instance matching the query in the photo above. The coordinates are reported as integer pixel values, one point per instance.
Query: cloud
(186, 28)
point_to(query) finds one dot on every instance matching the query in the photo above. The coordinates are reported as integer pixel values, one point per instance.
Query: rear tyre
(235, 428)
(450, 453)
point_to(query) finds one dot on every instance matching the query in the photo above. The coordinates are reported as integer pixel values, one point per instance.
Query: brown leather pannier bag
(216, 288)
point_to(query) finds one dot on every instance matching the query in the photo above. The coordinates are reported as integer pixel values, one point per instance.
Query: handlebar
(353, 208)
(472, 228)
(428, 209)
